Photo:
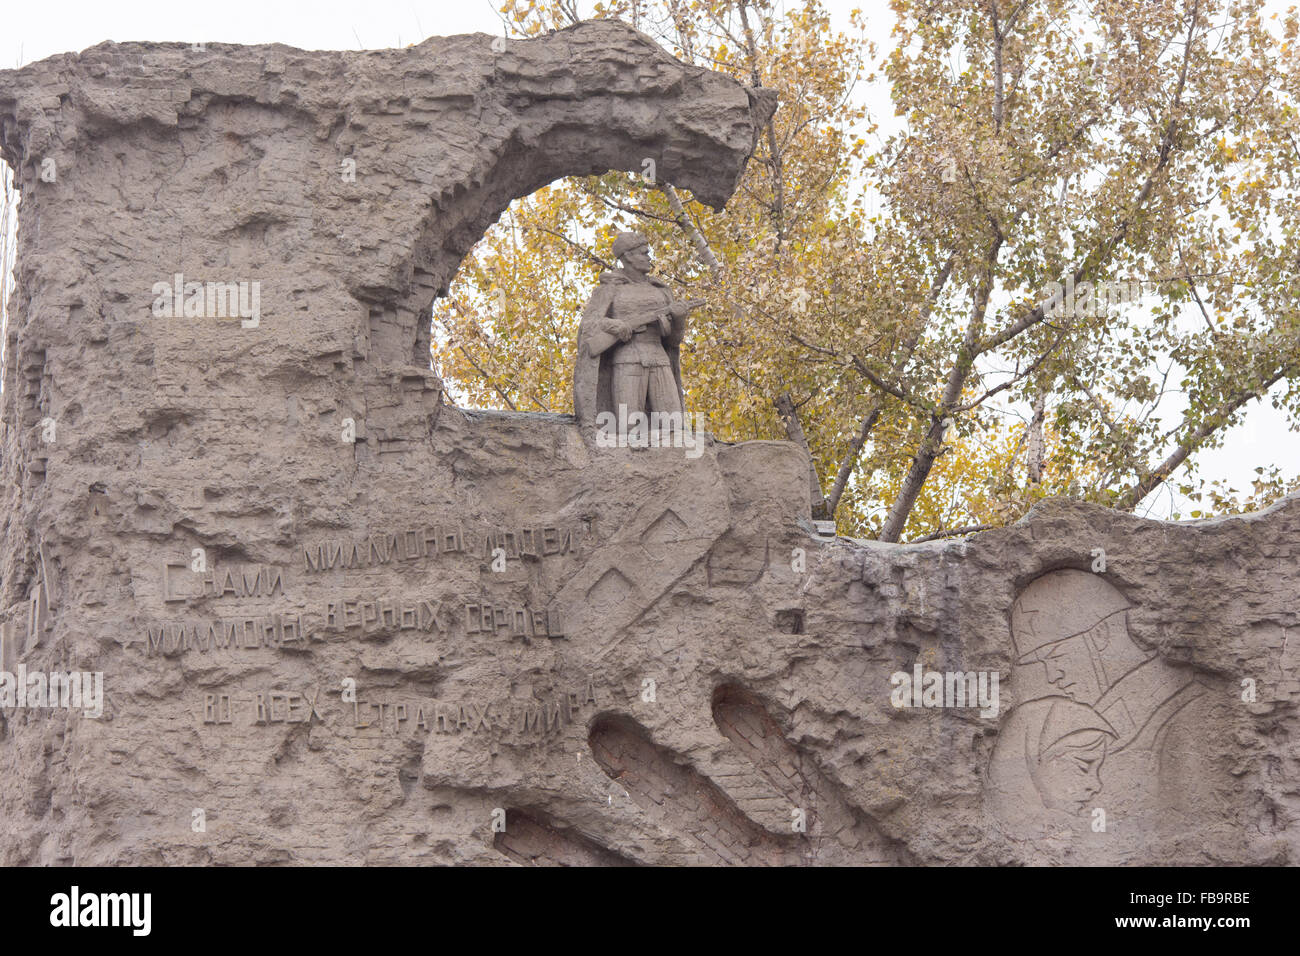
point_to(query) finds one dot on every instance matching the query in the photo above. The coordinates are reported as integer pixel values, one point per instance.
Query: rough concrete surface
(341, 621)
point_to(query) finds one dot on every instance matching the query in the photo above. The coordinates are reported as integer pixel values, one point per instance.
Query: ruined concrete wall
(407, 617)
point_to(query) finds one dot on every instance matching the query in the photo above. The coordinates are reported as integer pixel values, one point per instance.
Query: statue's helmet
(625, 242)
(1060, 605)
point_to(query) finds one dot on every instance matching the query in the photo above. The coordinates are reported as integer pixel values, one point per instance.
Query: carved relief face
(1069, 668)
(1048, 757)
(1069, 773)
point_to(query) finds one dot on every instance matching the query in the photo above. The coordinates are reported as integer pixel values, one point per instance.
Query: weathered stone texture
(770, 650)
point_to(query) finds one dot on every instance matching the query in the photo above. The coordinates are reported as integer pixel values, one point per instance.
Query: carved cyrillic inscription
(524, 718)
(531, 543)
(381, 549)
(180, 583)
(368, 617)
(269, 707)
(254, 581)
(422, 716)
(412, 544)
(552, 713)
(514, 620)
(217, 709)
(278, 707)
(272, 630)
(381, 615)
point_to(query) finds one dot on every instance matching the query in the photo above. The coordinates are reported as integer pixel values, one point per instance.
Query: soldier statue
(629, 341)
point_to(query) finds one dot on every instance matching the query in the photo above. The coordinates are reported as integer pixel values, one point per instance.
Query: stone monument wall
(339, 620)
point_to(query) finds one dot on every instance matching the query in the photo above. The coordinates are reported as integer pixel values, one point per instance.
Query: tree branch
(574, 245)
(928, 453)
(701, 244)
(1151, 479)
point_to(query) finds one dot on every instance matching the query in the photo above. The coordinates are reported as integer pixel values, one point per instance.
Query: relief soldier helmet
(626, 242)
(1060, 605)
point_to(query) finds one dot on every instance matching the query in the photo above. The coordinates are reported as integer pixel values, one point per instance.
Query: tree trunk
(794, 431)
(1034, 451)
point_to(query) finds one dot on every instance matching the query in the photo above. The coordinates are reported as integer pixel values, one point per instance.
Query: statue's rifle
(601, 340)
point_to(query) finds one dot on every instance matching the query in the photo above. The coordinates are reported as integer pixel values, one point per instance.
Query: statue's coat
(593, 370)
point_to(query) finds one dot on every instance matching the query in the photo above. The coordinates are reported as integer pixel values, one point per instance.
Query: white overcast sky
(33, 31)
